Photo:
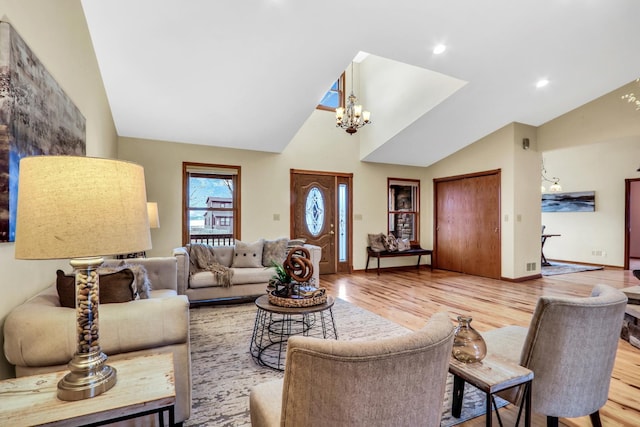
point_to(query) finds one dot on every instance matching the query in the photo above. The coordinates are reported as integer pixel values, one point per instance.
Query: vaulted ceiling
(247, 74)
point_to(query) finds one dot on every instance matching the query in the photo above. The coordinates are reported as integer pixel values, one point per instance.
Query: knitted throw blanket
(202, 258)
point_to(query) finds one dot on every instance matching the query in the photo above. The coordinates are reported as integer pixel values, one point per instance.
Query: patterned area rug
(563, 268)
(223, 371)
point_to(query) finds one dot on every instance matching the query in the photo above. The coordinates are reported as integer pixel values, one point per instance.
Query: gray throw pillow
(376, 242)
(247, 255)
(274, 251)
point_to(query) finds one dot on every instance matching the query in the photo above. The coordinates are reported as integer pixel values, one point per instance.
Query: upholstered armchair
(396, 381)
(570, 346)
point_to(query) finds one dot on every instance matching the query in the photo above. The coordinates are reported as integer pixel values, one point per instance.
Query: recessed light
(542, 83)
(439, 49)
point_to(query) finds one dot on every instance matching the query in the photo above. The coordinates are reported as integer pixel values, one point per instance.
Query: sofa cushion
(114, 287)
(41, 333)
(247, 255)
(296, 242)
(223, 255)
(376, 242)
(141, 283)
(243, 276)
(274, 251)
(203, 279)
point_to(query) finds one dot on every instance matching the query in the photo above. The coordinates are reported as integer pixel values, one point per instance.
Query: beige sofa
(39, 335)
(246, 282)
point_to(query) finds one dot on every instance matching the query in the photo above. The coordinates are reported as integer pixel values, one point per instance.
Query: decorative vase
(468, 344)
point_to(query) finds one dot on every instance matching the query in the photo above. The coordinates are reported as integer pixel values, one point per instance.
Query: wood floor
(409, 297)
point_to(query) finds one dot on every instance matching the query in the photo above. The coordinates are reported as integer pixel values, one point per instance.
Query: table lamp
(154, 218)
(82, 208)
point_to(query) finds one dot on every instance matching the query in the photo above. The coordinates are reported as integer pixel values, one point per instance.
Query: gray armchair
(570, 346)
(396, 381)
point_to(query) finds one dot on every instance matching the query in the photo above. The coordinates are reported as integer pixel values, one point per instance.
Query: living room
(594, 147)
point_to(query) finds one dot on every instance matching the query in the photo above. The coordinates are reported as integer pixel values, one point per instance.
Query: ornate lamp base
(89, 377)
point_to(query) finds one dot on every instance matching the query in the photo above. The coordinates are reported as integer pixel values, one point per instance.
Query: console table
(415, 250)
(145, 385)
(544, 262)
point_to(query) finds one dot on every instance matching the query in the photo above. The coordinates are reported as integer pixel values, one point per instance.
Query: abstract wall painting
(578, 201)
(36, 118)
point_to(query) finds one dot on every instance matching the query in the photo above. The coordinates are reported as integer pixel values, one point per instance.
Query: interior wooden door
(447, 241)
(313, 214)
(467, 224)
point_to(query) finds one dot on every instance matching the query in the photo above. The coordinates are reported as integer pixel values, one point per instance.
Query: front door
(315, 203)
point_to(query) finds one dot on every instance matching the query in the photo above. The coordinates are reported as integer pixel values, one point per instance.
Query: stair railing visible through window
(211, 204)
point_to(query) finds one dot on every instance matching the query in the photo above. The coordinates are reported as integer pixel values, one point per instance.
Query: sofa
(249, 265)
(40, 334)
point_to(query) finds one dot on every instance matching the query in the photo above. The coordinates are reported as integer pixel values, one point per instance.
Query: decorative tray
(297, 301)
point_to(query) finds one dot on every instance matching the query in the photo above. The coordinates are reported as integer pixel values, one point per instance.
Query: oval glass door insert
(314, 209)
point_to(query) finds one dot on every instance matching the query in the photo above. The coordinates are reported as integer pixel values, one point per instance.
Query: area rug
(564, 268)
(223, 371)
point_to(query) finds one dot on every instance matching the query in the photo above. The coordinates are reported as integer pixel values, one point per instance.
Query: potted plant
(281, 281)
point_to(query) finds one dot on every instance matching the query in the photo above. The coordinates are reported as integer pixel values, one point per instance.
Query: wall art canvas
(579, 201)
(36, 118)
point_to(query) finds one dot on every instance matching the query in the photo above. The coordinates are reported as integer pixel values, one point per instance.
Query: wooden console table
(145, 385)
(416, 250)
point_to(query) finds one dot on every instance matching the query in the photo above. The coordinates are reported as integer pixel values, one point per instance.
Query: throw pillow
(376, 242)
(390, 243)
(403, 244)
(274, 251)
(247, 255)
(141, 285)
(296, 242)
(114, 287)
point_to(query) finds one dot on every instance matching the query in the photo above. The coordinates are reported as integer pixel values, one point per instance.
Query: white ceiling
(248, 73)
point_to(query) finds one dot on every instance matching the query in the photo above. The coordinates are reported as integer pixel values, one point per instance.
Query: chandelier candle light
(555, 181)
(631, 98)
(82, 208)
(352, 117)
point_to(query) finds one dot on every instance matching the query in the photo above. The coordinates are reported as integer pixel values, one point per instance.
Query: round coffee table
(274, 325)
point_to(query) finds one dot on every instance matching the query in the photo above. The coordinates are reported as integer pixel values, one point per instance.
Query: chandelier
(351, 118)
(632, 99)
(555, 186)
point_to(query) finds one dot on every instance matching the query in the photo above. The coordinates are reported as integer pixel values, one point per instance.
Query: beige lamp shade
(73, 207)
(154, 218)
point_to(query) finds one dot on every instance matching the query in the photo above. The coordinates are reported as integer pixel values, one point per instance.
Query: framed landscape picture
(578, 201)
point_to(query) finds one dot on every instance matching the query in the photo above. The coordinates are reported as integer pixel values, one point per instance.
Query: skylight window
(334, 97)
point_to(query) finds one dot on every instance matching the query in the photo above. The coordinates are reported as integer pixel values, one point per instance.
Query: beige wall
(56, 31)
(519, 195)
(594, 147)
(318, 146)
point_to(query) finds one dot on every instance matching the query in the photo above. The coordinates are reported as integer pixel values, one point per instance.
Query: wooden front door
(314, 207)
(467, 224)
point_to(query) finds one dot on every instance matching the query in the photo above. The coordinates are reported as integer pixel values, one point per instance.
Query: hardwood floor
(409, 297)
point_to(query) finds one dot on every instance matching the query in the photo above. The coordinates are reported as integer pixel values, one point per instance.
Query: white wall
(595, 147)
(56, 32)
(603, 168)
